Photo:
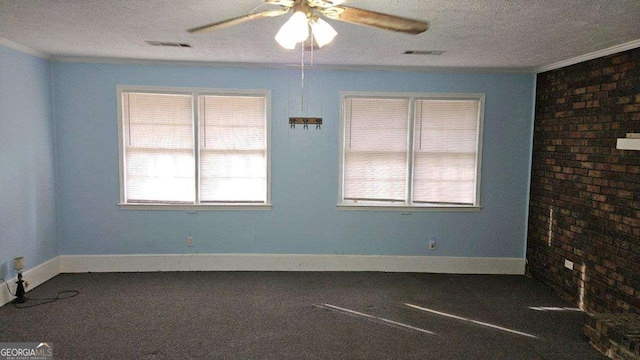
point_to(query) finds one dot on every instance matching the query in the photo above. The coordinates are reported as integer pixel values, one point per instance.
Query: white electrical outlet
(189, 240)
(568, 264)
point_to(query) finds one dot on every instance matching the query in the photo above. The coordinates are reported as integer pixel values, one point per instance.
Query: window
(185, 147)
(411, 150)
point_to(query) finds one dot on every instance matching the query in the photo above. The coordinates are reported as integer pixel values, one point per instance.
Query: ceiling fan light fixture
(295, 30)
(323, 33)
(285, 41)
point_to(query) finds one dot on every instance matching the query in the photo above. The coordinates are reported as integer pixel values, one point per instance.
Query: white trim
(192, 90)
(121, 138)
(195, 120)
(34, 276)
(369, 207)
(590, 56)
(289, 262)
(411, 125)
(341, 141)
(479, 146)
(268, 144)
(628, 144)
(532, 124)
(284, 66)
(194, 208)
(24, 49)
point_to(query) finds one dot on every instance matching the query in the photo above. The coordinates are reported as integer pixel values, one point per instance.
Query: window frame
(194, 93)
(409, 205)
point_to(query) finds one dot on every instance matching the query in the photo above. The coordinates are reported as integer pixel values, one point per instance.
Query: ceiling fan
(306, 13)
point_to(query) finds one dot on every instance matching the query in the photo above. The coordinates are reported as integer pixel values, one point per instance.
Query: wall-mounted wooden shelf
(631, 142)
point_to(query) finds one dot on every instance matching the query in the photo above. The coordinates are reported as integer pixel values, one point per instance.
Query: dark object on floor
(20, 298)
(615, 335)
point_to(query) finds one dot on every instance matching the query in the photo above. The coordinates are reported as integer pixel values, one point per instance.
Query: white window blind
(189, 147)
(158, 148)
(445, 146)
(375, 149)
(411, 150)
(233, 152)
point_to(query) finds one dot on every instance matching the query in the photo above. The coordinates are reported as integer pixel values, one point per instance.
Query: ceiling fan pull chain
(312, 41)
(302, 79)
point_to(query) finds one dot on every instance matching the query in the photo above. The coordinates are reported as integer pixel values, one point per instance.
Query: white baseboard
(34, 276)
(262, 262)
(289, 262)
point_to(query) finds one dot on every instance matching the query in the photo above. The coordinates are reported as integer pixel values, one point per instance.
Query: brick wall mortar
(585, 194)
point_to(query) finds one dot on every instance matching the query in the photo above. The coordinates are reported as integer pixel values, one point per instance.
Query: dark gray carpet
(274, 315)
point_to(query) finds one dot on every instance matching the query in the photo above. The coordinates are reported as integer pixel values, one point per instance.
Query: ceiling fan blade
(379, 20)
(238, 20)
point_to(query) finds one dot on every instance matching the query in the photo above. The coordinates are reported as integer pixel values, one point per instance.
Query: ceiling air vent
(424, 52)
(167, 43)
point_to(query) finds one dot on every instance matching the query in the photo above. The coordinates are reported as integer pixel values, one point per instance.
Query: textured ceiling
(515, 34)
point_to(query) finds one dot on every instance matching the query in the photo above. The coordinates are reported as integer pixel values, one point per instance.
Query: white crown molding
(590, 56)
(276, 66)
(431, 69)
(24, 49)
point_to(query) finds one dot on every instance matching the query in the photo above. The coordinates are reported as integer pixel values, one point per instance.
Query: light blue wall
(304, 218)
(27, 177)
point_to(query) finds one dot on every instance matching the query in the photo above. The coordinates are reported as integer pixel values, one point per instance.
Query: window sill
(194, 208)
(404, 208)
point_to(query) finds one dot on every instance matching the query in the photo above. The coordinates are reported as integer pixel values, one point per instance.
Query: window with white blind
(193, 147)
(411, 150)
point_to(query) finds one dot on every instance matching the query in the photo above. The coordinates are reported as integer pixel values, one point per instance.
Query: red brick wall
(585, 194)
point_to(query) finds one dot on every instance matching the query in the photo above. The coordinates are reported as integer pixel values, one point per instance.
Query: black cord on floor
(46, 300)
(8, 288)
